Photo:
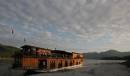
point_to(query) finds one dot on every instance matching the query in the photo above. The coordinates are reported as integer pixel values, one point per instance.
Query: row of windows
(60, 64)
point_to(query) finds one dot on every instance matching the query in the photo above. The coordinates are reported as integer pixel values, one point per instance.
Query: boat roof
(60, 52)
(53, 51)
(30, 46)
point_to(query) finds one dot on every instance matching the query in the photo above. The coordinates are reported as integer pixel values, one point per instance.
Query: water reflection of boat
(36, 58)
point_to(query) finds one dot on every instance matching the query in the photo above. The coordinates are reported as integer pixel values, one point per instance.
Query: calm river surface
(90, 68)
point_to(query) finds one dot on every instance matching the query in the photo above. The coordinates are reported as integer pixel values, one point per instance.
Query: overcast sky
(85, 25)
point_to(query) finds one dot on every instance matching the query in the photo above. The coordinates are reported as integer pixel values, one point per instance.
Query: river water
(90, 68)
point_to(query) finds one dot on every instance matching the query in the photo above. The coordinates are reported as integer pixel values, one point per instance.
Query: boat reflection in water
(46, 60)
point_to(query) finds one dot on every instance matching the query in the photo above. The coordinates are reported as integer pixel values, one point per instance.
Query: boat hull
(62, 68)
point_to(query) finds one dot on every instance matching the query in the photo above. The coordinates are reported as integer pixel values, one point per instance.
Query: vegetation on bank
(127, 63)
(127, 58)
(7, 51)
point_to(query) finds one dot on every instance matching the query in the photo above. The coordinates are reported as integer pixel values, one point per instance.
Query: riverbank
(126, 63)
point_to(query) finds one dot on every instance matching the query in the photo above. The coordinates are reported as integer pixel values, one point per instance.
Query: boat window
(29, 50)
(25, 50)
(33, 49)
(66, 63)
(44, 63)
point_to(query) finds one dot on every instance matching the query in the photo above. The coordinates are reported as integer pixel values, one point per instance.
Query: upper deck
(37, 52)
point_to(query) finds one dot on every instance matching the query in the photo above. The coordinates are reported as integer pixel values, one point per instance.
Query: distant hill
(106, 54)
(7, 51)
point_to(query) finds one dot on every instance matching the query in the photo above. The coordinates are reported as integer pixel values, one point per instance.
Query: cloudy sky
(85, 25)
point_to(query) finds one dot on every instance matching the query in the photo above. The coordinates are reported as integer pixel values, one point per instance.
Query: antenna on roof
(55, 48)
(24, 40)
(12, 32)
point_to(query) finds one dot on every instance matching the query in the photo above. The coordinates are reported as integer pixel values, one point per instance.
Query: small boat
(46, 60)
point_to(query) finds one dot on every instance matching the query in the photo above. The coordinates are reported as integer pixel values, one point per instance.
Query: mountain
(93, 55)
(7, 51)
(106, 54)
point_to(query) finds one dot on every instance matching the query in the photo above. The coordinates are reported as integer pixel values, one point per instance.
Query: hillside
(106, 54)
(7, 51)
